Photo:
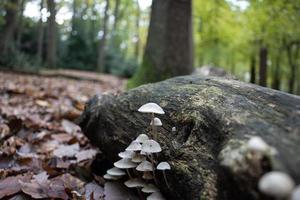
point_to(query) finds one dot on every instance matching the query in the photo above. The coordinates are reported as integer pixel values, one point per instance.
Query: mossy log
(214, 118)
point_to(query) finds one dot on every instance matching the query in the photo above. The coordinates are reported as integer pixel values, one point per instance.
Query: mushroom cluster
(276, 184)
(139, 159)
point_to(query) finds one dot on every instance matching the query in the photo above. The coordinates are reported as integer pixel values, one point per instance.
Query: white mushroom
(147, 175)
(163, 166)
(142, 138)
(135, 182)
(150, 188)
(125, 163)
(134, 146)
(145, 166)
(127, 154)
(257, 144)
(276, 184)
(296, 193)
(151, 146)
(174, 129)
(157, 122)
(151, 108)
(110, 177)
(156, 196)
(115, 172)
(137, 158)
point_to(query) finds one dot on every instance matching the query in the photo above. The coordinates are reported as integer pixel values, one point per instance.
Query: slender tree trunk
(39, 54)
(11, 8)
(169, 48)
(20, 24)
(253, 69)
(276, 78)
(102, 43)
(263, 59)
(51, 42)
(292, 64)
(137, 27)
(116, 15)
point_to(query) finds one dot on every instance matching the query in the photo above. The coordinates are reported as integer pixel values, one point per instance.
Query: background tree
(51, 35)
(169, 45)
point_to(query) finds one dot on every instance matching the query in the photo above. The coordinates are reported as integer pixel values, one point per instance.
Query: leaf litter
(43, 153)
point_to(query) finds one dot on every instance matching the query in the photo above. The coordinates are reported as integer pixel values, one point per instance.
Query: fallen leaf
(117, 191)
(11, 185)
(66, 150)
(93, 191)
(85, 155)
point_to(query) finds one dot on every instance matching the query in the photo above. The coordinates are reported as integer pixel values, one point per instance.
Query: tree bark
(40, 38)
(6, 42)
(214, 118)
(253, 69)
(20, 24)
(276, 78)
(292, 62)
(137, 35)
(169, 48)
(102, 43)
(51, 42)
(263, 64)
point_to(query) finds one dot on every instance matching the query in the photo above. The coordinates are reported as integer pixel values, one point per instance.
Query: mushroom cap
(150, 188)
(174, 129)
(296, 193)
(151, 108)
(151, 146)
(125, 163)
(157, 122)
(155, 196)
(137, 158)
(110, 177)
(145, 166)
(257, 144)
(126, 154)
(163, 166)
(147, 175)
(115, 172)
(135, 182)
(134, 146)
(276, 184)
(142, 138)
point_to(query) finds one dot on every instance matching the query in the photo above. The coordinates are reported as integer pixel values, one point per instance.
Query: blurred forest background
(257, 41)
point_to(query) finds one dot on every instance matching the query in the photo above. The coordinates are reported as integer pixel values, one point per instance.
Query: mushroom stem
(127, 170)
(140, 193)
(153, 164)
(165, 177)
(153, 127)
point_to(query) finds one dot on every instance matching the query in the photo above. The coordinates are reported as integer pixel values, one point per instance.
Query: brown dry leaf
(10, 185)
(62, 137)
(40, 187)
(69, 126)
(4, 131)
(66, 150)
(93, 191)
(86, 155)
(70, 182)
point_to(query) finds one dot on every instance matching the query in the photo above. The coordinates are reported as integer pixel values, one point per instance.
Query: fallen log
(214, 118)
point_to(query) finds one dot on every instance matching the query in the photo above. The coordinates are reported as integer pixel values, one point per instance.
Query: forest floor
(43, 153)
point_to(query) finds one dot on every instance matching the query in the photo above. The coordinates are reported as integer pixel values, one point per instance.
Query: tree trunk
(102, 43)
(292, 62)
(116, 16)
(214, 118)
(252, 69)
(20, 24)
(6, 41)
(40, 37)
(263, 63)
(51, 42)
(137, 35)
(276, 78)
(169, 49)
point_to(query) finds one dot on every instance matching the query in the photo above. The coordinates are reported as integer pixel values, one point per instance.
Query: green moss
(146, 74)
